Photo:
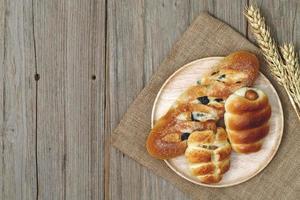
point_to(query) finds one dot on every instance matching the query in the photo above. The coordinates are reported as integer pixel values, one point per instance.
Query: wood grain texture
(18, 100)
(135, 48)
(50, 32)
(70, 42)
(84, 86)
(229, 11)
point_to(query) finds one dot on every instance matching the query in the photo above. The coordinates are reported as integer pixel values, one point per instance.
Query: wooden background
(70, 68)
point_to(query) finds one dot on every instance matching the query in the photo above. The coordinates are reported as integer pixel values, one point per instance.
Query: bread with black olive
(198, 95)
(201, 106)
(237, 70)
(168, 137)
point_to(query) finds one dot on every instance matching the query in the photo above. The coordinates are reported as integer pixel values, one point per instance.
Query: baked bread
(237, 70)
(168, 137)
(208, 155)
(246, 118)
(201, 105)
(198, 95)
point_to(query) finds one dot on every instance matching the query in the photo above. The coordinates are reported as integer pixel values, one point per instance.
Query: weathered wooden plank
(164, 23)
(84, 108)
(125, 61)
(50, 31)
(229, 11)
(18, 101)
(139, 37)
(70, 39)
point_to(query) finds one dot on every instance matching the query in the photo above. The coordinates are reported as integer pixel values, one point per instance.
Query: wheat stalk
(292, 67)
(293, 74)
(285, 69)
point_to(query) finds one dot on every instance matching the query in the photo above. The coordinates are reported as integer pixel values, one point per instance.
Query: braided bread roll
(208, 155)
(246, 118)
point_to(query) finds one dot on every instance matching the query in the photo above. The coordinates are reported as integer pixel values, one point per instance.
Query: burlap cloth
(206, 37)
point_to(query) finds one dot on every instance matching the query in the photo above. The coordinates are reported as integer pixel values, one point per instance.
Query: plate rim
(214, 185)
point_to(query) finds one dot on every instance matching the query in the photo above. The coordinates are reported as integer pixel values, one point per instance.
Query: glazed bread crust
(247, 148)
(237, 103)
(234, 71)
(237, 70)
(246, 119)
(166, 142)
(208, 155)
(248, 136)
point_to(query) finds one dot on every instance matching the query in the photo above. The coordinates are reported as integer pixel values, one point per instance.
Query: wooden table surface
(70, 69)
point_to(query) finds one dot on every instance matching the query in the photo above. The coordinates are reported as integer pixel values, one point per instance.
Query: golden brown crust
(251, 95)
(250, 135)
(198, 156)
(239, 104)
(163, 149)
(210, 178)
(164, 141)
(208, 154)
(194, 92)
(191, 94)
(207, 168)
(247, 148)
(223, 153)
(224, 166)
(237, 70)
(247, 119)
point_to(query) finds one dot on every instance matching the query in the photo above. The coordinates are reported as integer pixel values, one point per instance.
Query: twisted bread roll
(208, 155)
(246, 119)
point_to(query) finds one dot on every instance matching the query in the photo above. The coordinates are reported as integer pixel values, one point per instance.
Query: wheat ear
(285, 69)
